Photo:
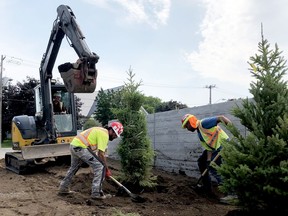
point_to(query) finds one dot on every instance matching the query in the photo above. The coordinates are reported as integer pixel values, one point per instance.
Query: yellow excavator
(47, 135)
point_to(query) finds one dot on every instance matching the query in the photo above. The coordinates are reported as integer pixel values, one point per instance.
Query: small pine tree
(255, 167)
(135, 148)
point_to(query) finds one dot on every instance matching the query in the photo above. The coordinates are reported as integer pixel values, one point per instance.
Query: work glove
(108, 173)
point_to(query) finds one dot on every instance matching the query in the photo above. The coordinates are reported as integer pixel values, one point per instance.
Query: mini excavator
(47, 135)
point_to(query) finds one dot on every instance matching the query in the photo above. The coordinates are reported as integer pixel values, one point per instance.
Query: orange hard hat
(192, 120)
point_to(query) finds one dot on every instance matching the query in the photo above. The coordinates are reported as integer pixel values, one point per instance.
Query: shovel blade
(137, 199)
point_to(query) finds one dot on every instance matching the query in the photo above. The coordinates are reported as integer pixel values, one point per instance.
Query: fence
(177, 150)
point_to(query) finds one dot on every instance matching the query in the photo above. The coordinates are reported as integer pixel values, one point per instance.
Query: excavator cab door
(62, 109)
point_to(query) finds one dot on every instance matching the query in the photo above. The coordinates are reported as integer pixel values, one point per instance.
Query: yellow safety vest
(95, 138)
(213, 137)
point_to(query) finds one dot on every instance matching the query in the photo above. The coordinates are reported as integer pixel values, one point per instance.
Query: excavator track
(16, 163)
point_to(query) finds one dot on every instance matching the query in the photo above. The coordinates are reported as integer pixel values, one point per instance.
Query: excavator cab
(63, 108)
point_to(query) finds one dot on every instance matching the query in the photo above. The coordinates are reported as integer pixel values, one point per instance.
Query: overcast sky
(177, 48)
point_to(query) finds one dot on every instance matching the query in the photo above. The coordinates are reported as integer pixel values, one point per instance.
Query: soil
(36, 194)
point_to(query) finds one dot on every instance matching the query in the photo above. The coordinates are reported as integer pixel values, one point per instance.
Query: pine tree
(255, 166)
(135, 148)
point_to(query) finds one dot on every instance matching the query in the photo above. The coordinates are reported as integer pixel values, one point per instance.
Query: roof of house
(94, 104)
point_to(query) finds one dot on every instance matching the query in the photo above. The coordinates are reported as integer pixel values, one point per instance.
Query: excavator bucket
(79, 77)
(44, 151)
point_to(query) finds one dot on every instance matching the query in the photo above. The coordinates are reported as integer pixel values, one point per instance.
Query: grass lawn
(6, 143)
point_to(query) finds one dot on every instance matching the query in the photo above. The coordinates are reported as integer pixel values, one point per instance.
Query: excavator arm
(79, 77)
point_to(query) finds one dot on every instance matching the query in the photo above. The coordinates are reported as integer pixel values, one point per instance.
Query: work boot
(65, 192)
(229, 199)
(101, 196)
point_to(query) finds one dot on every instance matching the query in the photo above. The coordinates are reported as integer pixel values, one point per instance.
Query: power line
(229, 92)
(210, 92)
(159, 85)
(19, 61)
(146, 84)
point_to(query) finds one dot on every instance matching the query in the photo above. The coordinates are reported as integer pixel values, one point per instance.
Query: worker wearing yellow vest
(211, 137)
(83, 148)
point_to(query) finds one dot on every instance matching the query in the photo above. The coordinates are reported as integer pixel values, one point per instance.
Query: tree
(17, 100)
(7, 108)
(151, 103)
(78, 112)
(91, 122)
(24, 99)
(135, 147)
(106, 100)
(256, 167)
(170, 105)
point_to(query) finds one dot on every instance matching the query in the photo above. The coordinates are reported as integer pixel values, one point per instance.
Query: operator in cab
(58, 105)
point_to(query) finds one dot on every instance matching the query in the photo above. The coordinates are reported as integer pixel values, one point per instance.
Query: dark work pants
(202, 164)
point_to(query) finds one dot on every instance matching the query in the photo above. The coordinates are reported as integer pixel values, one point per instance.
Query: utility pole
(1, 83)
(210, 92)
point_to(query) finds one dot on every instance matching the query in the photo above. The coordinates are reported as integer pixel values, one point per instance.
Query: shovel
(134, 197)
(197, 185)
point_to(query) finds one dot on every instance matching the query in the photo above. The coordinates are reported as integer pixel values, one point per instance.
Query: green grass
(6, 143)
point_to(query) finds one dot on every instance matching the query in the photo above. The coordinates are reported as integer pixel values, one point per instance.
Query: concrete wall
(176, 149)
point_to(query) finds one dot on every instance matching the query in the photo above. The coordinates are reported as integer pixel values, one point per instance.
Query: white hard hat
(117, 128)
(57, 94)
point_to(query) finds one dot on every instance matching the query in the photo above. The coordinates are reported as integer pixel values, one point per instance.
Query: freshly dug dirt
(36, 194)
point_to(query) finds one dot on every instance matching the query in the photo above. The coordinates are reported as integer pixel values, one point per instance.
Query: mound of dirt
(36, 194)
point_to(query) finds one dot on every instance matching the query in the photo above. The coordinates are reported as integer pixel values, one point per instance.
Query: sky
(175, 48)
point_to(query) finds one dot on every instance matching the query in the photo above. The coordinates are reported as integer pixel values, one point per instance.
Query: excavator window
(59, 106)
(62, 111)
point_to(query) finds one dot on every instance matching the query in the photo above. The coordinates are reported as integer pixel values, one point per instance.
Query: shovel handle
(206, 170)
(120, 185)
(214, 159)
